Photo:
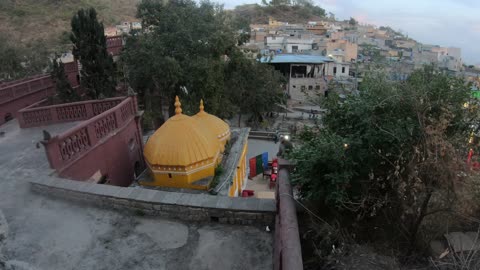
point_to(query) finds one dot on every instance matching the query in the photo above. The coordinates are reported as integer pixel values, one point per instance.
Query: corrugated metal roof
(296, 59)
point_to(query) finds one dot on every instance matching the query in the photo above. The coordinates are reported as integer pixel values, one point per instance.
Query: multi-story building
(289, 44)
(446, 58)
(304, 72)
(317, 28)
(405, 43)
(341, 50)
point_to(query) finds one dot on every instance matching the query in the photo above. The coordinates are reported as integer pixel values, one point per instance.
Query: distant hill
(258, 14)
(28, 21)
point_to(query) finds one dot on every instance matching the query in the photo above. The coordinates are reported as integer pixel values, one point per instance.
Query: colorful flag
(257, 164)
(253, 167)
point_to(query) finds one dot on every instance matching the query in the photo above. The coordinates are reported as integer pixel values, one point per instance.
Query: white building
(338, 69)
(306, 73)
(289, 44)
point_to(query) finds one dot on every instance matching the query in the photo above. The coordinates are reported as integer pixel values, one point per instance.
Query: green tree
(352, 21)
(181, 53)
(188, 50)
(11, 67)
(280, 2)
(253, 87)
(395, 151)
(21, 60)
(89, 46)
(65, 92)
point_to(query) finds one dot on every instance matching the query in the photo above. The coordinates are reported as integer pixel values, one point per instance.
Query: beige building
(405, 43)
(341, 50)
(317, 29)
(258, 36)
(336, 35)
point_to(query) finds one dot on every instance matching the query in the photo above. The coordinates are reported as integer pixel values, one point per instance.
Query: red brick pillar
(52, 149)
(89, 108)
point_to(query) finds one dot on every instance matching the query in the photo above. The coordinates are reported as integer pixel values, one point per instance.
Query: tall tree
(397, 151)
(187, 49)
(90, 48)
(65, 91)
(254, 87)
(21, 60)
(352, 21)
(11, 67)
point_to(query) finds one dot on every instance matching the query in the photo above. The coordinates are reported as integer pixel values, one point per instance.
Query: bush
(392, 151)
(218, 170)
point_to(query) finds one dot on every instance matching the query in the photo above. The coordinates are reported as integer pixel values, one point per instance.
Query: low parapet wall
(287, 253)
(109, 143)
(19, 94)
(183, 206)
(10, 91)
(36, 115)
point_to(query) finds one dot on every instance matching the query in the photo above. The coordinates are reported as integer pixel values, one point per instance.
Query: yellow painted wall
(181, 180)
(239, 177)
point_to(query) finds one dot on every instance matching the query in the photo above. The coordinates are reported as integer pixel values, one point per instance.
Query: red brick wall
(116, 157)
(71, 70)
(110, 142)
(114, 45)
(22, 93)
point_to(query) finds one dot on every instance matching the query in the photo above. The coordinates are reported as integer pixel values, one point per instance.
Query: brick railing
(13, 90)
(114, 45)
(65, 148)
(34, 115)
(287, 248)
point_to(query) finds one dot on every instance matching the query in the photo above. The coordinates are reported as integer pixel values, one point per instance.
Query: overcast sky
(453, 23)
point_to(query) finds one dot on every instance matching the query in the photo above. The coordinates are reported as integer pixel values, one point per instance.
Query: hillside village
(353, 46)
(192, 137)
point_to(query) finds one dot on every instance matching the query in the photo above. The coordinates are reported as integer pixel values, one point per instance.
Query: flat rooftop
(49, 233)
(296, 59)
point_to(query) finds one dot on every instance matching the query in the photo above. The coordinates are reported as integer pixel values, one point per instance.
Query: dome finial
(201, 105)
(178, 108)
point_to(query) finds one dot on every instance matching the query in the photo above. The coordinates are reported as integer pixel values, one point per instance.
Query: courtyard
(46, 233)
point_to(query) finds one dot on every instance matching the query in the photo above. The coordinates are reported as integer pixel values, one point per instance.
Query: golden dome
(213, 123)
(180, 141)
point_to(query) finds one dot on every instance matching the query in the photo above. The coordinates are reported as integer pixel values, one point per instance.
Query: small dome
(180, 141)
(213, 123)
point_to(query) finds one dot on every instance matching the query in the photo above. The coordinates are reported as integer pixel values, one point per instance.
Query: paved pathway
(56, 234)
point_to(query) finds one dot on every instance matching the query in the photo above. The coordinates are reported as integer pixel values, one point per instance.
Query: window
(317, 87)
(334, 70)
(169, 175)
(294, 48)
(310, 87)
(343, 70)
(303, 87)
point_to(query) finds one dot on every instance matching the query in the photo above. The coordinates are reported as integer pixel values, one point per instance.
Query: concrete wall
(300, 47)
(342, 69)
(275, 42)
(183, 206)
(302, 88)
(287, 248)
